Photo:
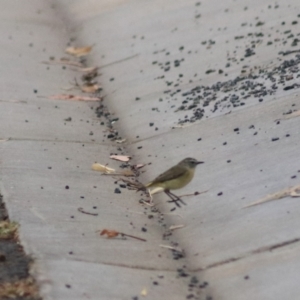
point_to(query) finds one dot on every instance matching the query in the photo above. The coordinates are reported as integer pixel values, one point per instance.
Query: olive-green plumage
(177, 176)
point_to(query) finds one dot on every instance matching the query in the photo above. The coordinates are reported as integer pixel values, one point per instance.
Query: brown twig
(172, 248)
(132, 236)
(64, 62)
(85, 212)
(193, 194)
(113, 233)
(119, 174)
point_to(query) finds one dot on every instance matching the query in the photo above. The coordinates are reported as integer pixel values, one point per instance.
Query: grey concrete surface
(230, 252)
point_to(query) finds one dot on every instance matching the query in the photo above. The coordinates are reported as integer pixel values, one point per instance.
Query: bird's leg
(174, 198)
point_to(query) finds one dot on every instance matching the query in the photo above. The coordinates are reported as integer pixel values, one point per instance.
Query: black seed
(289, 87)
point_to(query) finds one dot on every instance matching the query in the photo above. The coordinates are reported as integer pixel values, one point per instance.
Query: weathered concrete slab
(243, 165)
(184, 79)
(44, 188)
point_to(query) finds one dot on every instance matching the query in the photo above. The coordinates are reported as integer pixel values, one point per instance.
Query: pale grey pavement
(150, 54)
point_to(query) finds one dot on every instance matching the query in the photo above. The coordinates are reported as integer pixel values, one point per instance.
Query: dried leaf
(291, 191)
(109, 233)
(174, 227)
(138, 166)
(90, 88)
(79, 51)
(120, 141)
(68, 61)
(144, 292)
(127, 173)
(177, 249)
(102, 168)
(113, 233)
(89, 69)
(74, 97)
(124, 158)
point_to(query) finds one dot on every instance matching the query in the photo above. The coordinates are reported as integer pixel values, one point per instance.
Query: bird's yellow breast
(176, 183)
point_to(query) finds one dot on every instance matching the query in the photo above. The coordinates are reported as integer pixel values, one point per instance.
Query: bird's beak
(200, 162)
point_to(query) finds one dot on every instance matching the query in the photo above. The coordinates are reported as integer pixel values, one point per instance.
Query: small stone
(117, 191)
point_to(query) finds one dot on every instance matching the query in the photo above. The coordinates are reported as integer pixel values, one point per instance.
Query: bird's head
(190, 162)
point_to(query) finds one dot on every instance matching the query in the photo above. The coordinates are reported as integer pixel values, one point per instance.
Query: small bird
(176, 178)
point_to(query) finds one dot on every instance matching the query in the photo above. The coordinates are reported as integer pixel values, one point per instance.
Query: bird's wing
(170, 174)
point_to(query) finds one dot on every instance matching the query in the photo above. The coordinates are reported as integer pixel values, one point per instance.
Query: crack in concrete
(248, 254)
(121, 265)
(119, 61)
(55, 141)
